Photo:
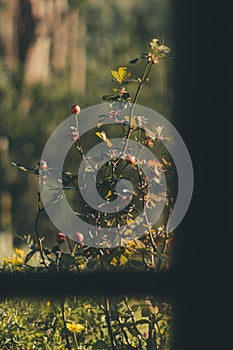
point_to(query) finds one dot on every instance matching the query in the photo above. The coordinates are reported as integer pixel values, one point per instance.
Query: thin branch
(140, 336)
(151, 345)
(108, 321)
(164, 247)
(37, 231)
(69, 244)
(145, 75)
(123, 331)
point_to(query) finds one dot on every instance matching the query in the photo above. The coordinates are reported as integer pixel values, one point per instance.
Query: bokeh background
(54, 53)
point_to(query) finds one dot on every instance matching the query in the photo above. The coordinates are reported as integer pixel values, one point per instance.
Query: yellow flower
(76, 328)
(82, 267)
(20, 252)
(14, 261)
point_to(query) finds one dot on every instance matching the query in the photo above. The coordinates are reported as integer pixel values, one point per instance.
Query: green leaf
(125, 95)
(164, 256)
(139, 244)
(29, 256)
(144, 55)
(109, 97)
(66, 260)
(92, 264)
(133, 331)
(26, 168)
(135, 307)
(100, 344)
(135, 60)
(145, 311)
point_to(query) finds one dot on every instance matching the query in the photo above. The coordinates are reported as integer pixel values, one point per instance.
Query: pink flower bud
(43, 165)
(79, 237)
(60, 237)
(75, 109)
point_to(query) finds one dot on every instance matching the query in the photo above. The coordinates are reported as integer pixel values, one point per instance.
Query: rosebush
(101, 322)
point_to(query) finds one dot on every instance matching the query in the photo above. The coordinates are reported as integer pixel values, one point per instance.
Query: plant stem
(152, 334)
(123, 331)
(151, 239)
(64, 323)
(145, 75)
(108, 321)
(69, 244)
(75, 340)
(164, 247)
(37, 231)
(140, 336)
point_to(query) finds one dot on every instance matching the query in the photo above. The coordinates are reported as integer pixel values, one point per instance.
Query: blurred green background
(54, 53)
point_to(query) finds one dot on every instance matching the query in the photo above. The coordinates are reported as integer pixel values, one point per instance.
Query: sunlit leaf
(104, 137)
(108, 194)
(159, 48)
(121, 74)
(29, 256)
(114, 261)
(135, 307)
(123, 259)
(166, 163)
(101, 135)
(139, 244)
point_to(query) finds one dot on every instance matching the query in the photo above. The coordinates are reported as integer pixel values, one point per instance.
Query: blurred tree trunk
(46, 37)
(6, 236)
(41, 40)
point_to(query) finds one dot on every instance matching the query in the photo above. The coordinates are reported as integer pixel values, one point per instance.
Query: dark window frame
(196, 277)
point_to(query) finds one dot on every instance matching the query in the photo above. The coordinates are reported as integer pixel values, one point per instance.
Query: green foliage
(153, 249)
(27, 324)
(98, 322)
(29, 114)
